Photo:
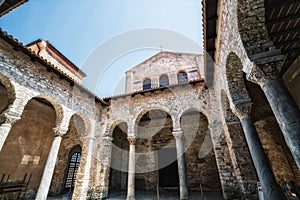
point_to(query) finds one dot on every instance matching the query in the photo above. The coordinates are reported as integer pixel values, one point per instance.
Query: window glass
(163, 80)
(182, 77)
(146, 84)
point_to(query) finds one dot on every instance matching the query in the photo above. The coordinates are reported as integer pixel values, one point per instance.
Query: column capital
(9, 118)
(261, 74)
(131, 139)
(242, 110)
(177, 133)
(58, 132)
(107, 137)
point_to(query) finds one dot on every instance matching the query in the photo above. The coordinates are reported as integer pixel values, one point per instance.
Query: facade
(214, 123)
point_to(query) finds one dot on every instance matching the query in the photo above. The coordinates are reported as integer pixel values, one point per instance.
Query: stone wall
(167, 63)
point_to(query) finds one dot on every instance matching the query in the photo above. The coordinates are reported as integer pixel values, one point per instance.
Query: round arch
(143, 111)
(56, 105)
(235, 82)
(10, 89)
(191, 109)
(78, 119)
(115, 124)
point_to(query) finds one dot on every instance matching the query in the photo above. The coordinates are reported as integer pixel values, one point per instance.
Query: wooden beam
(283, 19)
(285, 32)
(286, 42)
(280, 3)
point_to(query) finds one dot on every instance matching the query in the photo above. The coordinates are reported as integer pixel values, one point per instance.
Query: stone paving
(164, 195)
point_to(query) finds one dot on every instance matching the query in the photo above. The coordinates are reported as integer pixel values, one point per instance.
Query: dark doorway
(168, 168)
(74, 161)
(119, 159)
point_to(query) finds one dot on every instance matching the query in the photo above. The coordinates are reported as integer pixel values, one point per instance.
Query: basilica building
(225, 122)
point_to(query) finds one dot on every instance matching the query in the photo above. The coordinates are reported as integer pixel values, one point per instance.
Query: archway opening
(119, 160)
(201, 168)
(283, 165)
(25, 151)
(4, 98)
(156, 163)
(64, 180)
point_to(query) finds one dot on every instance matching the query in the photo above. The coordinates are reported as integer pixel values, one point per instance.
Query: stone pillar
(8, 121)
(260, 160)
(131, 169)
(82, 188)
(283, 106)
(49, 168)
(107, 140)
(181, 164)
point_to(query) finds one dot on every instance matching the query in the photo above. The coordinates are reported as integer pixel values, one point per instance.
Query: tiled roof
(9, 5)
(151, 90)
(18, 46)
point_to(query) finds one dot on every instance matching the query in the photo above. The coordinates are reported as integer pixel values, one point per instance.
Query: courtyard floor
(164, 195)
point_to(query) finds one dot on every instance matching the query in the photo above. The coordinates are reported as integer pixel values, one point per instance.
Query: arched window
(163, 80)
(147, 84)
(74, 161)
(182, 77)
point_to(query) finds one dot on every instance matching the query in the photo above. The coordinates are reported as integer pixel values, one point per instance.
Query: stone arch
(235, 82)
(201, 168)
(29, 140)
(189, 109)
(78, 118)
(8, 94)
(114, 125)
(56, 105)
(251, 16)
(143, 111)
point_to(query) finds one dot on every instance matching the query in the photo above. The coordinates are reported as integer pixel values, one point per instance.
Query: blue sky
(77, 28)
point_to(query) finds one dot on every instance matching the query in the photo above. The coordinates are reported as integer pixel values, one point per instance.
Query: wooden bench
(8, 186)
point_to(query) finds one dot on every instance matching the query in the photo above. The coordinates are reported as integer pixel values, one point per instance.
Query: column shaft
(261, 162)
(131, 170)
(48, 170)
(106, 163)
(181, 165)
(4, 130)
(286, 113)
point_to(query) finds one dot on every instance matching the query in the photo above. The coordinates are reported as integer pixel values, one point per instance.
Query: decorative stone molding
(58, 132)
(261, 74)
(177, 134)
(131, 140)
(9, 118)
(242, 110)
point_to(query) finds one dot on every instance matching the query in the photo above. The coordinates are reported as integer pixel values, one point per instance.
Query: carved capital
(58, 132)
(177, 134)
(9, 118)
(242, 110)
(131, 140)
(107, 139)
(261, 74)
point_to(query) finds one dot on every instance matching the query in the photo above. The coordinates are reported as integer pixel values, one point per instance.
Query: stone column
(49, 168)
(107, 140)
(82, 188)
(8, 121)
(131, 169)
(261, 163)
(283, 106)
(181, 164)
